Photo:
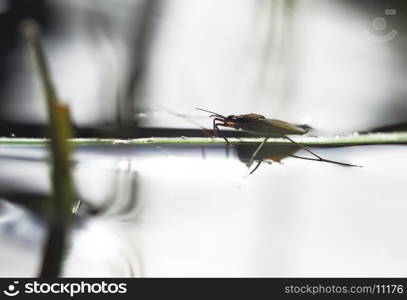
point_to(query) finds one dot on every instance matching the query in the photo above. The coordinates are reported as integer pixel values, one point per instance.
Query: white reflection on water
(181, 167)
(317, 220)
(21, 238)
(102, 248)
(196, 217)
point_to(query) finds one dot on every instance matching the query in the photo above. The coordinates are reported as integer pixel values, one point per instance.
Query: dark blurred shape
(390, 128)
(274, 153)
(55, 25)
(30, 200)
(10, 36)
(140, 45)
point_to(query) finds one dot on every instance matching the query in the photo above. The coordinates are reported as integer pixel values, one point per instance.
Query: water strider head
(227, 121)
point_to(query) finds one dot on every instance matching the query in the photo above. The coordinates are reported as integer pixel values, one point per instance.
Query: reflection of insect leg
(319, 158)
(256, 167)
(306, 149)
(254, 156)
(326, 160)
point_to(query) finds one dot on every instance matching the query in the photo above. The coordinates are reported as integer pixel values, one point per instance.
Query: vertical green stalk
(59, 205)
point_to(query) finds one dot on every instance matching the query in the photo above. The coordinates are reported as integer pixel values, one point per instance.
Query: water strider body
(261, 126)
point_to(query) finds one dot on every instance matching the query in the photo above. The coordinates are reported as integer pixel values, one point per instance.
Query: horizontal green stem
(320, 141)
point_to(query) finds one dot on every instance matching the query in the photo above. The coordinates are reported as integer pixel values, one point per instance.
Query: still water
(167, 211)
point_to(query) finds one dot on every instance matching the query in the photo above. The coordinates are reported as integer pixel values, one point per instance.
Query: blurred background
(130, 68)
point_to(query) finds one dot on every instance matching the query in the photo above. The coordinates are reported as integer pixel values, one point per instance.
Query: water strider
(261, 126)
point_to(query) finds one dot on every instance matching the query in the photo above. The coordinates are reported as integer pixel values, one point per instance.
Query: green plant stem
(59, 206)
(310, 141)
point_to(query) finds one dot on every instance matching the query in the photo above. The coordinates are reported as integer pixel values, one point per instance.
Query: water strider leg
(301, 146)
(256, 167)
(319, 158)
(216, 128)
